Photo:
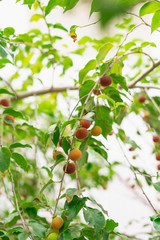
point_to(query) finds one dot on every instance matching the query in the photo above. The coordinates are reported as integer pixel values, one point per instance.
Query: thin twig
(16, 200)
(131, 167)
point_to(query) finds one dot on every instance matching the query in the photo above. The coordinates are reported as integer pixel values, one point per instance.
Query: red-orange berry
(158, 166)
(75, 154)
(156, 139)
(5, 102)
(57, 222)
(105, 81)
(96, 92)
(85, 123)
(69, 168)
(157, 157)
(81, 133)
(141, 99)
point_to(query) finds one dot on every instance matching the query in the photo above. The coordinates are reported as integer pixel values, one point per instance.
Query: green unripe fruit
(53, 236)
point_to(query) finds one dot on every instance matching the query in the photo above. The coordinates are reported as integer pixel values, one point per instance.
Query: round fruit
(81, 133)
(5, 102)
(60, 142)
(156, 139)
(56, 153)
(53, 236)
(96, 131)
(75, 154)
(96, 91)
(141, 99)
(57, 222)
(157, 157)
(158, 166)
(105, 81)
(85, 123)
(146, 114)
(10, 118)
(69, 168)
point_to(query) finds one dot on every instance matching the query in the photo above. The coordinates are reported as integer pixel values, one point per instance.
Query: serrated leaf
(155, 21)
(103, 51)
(89, 66)
(110, 225)
(19, 145)
(4, 159)
(5, 91)
(20, 160)
(95, 218)
(149, 7)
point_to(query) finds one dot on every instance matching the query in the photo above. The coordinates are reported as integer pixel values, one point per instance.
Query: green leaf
(83, 148)
(56, 134)
(67, 235)
(156, 224)
(73, 208)
(71, 192)
(95, 218)
(20, 160)
(149, 7)
(155, 21)
(65, 145)
(100, 150)
(4, 159)
(85, 89)
(4, 61)
(118, 79)
(46, 185)
(51, 5)
(14, 113)
(59, 26)
(48, 171)
(36, 17)
(29, 2)
(110, 225)
(157, 186)
(23, 236)
(103, 52)
(110, 100)
(103, 119)
(89, 66)
(38, 228)
(17, 145)
(9, 31)
(70, 4)
(5, 91)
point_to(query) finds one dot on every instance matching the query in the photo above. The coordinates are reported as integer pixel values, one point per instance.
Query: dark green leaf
(110, 225)
(4, 159)
(56, 134)
(65, 145)
(89, 66)
(19, 145)
(85, 89)
(71, 192)
(20, 160)
(73, 208)
(14, 113)
(149, 7)
(156, 224)
(95, 218)
(5, 91)
(157, 186)
(118, 79)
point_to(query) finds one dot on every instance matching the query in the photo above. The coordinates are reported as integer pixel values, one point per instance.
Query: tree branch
(133, 83)
(43, 91)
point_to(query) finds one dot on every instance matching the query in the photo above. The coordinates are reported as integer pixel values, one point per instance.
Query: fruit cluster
(75, 154)
(56, 224)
